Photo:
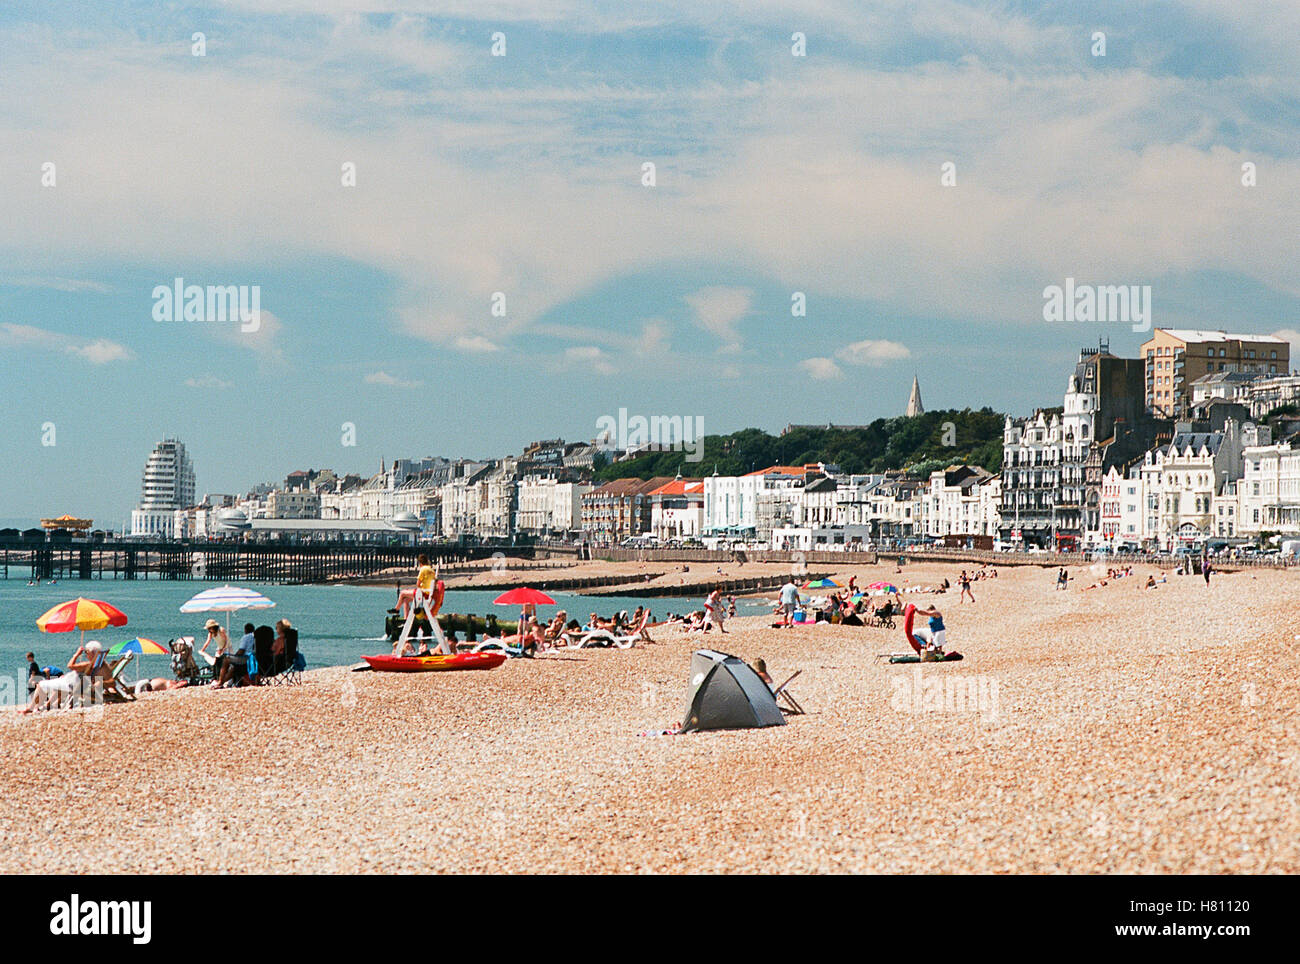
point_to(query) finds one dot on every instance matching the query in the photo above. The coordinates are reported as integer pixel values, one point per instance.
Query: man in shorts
(789, 600)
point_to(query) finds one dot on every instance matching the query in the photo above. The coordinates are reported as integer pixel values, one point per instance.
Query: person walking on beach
(789, 600)
(713, 612)
(964, 582)
(1205, 571)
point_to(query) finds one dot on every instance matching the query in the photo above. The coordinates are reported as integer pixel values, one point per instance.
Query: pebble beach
(1112, 730)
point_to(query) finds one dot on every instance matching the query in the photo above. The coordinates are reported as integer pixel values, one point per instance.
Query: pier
(263, 562)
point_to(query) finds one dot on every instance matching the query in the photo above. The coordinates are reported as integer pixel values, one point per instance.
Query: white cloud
(589, 358)
(72, 285)
(475, 343)
(871, 352)
(264, 342)
(718, 309)
(206, 382)
(822, 369)
(383, 378)
(98, 351)
(523, 188)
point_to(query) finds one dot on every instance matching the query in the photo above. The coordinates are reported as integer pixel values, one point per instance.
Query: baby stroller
(881, 618)
(183, 663)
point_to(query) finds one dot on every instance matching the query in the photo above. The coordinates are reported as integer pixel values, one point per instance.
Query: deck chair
(785, 699)
(115, 689)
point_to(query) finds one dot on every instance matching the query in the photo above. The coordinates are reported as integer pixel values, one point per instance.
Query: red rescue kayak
(430, 664)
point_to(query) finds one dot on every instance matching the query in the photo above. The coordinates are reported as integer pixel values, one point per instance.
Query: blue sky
(522, 175)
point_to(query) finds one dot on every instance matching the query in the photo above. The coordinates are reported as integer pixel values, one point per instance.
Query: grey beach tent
(724, 693)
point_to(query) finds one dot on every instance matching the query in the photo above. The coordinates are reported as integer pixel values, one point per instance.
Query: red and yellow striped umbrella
(80, 614)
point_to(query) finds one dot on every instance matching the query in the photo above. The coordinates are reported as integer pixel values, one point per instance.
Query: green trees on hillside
(937, 439)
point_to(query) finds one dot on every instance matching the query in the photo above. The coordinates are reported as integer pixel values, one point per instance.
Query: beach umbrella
(884, 586)
(823, 584)
(226, 599)
(80, 614)
(140, 646)
(522, 596)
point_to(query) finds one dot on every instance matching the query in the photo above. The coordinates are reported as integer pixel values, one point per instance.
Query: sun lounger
(605, 638)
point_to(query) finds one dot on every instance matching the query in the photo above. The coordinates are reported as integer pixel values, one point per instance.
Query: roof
(1226, 377)
(780, 470)
(1196, 441)
(1198, 336)
(631, 486)
(681, 487)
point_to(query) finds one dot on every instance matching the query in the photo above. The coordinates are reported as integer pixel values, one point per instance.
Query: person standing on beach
(713, 611)
(789, 600)
(1205, 570)
(964, 581)
(34, 673)
(218, 632)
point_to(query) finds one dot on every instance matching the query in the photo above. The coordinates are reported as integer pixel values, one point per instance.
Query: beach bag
(251, 665)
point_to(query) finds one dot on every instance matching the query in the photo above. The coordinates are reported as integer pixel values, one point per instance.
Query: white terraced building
(549, 506)
(167, 484)
(1268, 494)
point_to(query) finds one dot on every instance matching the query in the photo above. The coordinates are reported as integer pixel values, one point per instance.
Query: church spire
(914, 406)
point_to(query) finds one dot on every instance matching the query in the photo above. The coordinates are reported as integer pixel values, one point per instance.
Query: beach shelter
(724, 693)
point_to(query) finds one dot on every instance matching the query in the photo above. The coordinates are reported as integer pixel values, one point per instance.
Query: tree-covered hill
(920, 444)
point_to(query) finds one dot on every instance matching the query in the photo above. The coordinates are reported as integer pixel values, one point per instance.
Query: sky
(518, 181)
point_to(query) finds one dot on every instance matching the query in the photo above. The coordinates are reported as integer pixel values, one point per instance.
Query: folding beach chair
(785, 699)
(115, 690)
(289, 664)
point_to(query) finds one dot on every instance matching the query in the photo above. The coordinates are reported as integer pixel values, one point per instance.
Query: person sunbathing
(529, 640)
(158, 684)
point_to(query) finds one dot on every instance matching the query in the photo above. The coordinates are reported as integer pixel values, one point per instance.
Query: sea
(336, 624)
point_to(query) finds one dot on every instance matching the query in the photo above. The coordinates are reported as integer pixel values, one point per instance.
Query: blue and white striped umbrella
(226, 599)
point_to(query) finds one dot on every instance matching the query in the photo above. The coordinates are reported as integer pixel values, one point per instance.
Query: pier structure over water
(261, 562)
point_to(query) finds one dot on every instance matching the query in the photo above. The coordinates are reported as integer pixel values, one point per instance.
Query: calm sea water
(336, 624)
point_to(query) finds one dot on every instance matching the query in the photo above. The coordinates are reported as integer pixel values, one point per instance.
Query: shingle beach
(1112, 730)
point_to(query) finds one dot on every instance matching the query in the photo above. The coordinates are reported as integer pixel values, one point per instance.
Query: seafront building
(1175, 358)
(1107, 469)
(167, 484)
(549, 507)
